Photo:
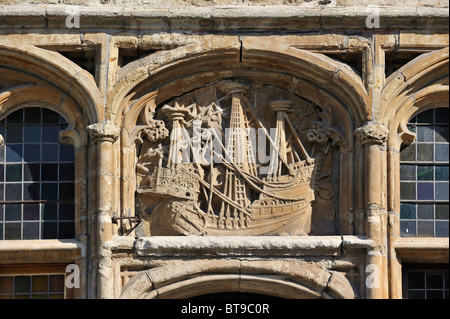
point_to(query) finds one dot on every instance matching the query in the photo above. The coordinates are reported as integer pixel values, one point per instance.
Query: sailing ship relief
(228, 160)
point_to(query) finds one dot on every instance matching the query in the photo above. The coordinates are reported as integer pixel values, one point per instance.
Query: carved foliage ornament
(231, 159)
(372, 133)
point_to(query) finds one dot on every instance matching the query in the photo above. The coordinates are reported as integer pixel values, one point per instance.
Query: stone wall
(179, 3)
(109, 76)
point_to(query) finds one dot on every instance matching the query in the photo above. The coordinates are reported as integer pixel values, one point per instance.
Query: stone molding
(104, 131)
(238, 245)
(47, 250)
(372, 133)
(187, 17)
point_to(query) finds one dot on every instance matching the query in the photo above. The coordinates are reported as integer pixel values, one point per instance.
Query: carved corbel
(106, 131)
(372, 133)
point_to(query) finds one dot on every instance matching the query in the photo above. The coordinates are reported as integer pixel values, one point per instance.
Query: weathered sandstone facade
(338, 91)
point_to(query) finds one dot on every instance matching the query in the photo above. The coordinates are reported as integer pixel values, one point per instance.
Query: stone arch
(285, 279)
(311, 75)
(419, 85)
(50, 71)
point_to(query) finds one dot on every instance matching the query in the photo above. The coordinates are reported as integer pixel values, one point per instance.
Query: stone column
(104, 135)
(373, 136)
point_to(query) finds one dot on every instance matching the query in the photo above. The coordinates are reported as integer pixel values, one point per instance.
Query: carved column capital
(372, 133)
(105, 131)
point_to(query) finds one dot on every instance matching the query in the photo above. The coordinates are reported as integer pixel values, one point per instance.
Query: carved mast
(237, 148)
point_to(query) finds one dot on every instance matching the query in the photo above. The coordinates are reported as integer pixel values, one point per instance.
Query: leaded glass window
(36, 177)
(424, 177)
(48, 286)
(425, 281)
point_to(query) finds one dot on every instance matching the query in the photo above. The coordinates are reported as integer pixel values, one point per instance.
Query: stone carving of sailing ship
(191, 196)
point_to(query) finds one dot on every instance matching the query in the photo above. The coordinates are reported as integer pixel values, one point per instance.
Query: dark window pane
(14, 134)
(49, 211)
(32, 115)
(32, 134)
(66, 191)
(6, 284)
(66, 230)
(14, 153)
(66, 211)
(407, 228)
(435, 294)
(425, 152)
(32, 153)
(56, 283)
(434, 280)
(32, 172)
(13, 212)
(425, 173)
(49, 230)
(425, 211)
(416, 295)
(408, 153)
(49, 191)
(15, 117)
(2, 152)
(50, 152)
(30, 230)
(31, 191)
(425, 134)
(13, 192)
(22, 284)
(407, 211)
(2, 173)
(441, 134)
(2, 188)
(408, 191)
(442, 228)
(40, 284)
(408, 172)
(441, 115)
(67, 172)
(67, 153)
(1, 235)
(30, 211)
(425, 191)
(50, 134)
(425, 229)
(441, 173)
(442, 211)
(13, 172)
(425, 117)
(416, 280)
(49, 116)
(441, 191)
(49, 172)
(441, 152)
(12, 231)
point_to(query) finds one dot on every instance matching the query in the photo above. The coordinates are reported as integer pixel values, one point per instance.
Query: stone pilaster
(374, 136)
(104, 135)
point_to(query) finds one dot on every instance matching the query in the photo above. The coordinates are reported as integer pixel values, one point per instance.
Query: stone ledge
(41, 251)
(239, 245)
(218, 18)
(422, 249)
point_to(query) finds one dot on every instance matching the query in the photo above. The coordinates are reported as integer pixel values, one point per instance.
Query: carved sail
(236, 195)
